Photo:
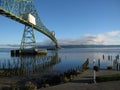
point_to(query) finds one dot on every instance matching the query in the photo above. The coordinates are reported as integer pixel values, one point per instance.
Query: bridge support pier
(28, 38)
(28, 41)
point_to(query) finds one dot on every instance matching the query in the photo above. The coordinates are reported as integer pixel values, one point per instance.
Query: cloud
(94, 39)
(114, 33)
(109, 38)
(85, 39)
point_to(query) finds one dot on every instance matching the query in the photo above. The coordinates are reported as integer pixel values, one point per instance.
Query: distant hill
(88, 46)
(9, 46)
(81, 46)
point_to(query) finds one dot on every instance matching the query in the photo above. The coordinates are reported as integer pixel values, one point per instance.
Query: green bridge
(24, 11)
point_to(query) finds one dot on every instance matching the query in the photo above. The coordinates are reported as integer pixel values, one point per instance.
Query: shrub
(30, 86)
(96, 68)
(65, 79)
(85, 65)
(109, 67)
(13, 87)
(47, 85)
(71, 77)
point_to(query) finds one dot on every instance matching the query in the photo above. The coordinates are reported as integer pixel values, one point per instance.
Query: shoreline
(83, 80)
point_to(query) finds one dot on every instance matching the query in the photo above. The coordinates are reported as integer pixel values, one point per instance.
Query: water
(58, 61)
(76, 56)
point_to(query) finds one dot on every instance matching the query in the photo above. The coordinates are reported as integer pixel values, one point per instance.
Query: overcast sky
(74, 22)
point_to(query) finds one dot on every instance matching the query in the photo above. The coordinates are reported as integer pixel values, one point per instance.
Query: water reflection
(27, 65)
(58, 61)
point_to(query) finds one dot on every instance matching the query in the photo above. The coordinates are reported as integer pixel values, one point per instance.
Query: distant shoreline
(89, 46)
(65, 46)
(83, 46)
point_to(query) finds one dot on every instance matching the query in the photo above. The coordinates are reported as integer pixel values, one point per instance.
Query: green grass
(104, 78)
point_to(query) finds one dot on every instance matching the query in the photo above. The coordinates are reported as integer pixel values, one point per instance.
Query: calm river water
(59, 61)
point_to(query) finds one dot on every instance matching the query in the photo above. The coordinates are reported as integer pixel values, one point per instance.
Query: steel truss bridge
(18, 10)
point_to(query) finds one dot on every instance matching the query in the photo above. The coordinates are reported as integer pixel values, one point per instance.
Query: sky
(74, 22)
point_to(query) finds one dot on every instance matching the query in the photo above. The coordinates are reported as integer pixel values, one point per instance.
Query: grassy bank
(47, 80)
(105, 78)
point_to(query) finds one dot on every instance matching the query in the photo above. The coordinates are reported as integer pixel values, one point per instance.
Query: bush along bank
(50, 80)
